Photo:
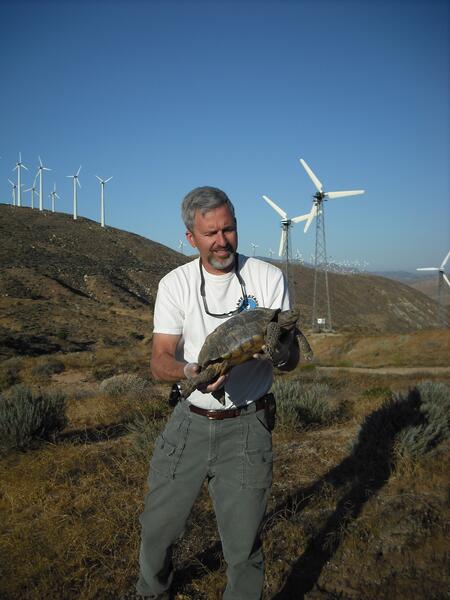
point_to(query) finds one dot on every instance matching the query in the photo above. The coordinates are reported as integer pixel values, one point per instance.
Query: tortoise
(239, 338)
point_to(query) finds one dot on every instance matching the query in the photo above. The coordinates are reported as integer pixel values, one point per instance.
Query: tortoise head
(287, 319)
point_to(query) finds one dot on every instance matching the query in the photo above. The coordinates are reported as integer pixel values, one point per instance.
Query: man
(229, 445)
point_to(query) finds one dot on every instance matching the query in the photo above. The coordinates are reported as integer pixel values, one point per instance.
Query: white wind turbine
(53, 195)
(102, 197)
(181, 246)
(75, 197)
(13, 191)
(40, 173)
(320, 258)
(271, 252)
(19, 166)
(254, 246)
(286, 225)
(33, 191)
(441, 278)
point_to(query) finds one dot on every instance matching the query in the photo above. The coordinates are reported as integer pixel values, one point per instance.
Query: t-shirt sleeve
(280, 294)
(168, 315)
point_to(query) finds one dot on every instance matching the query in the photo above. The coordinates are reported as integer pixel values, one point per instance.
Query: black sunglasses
(244, 304)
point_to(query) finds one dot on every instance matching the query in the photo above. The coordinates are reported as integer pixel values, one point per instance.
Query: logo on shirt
(252, 303)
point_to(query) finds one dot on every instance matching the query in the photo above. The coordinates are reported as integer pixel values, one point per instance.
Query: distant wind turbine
(181, 246)
(13, 191)
(102, 197)
(40, 173)
(254, 246)
(271, 252)
(75, 197)
(53, 195)
(19, 166)
(33, 191)
(286, 225)
(441, 278)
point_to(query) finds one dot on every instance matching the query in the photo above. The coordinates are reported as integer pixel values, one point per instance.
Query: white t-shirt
(179, 310)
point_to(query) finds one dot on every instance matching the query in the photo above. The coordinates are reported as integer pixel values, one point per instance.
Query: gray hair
(203, 199)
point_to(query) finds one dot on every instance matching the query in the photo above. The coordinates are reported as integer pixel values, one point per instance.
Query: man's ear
(190, 239)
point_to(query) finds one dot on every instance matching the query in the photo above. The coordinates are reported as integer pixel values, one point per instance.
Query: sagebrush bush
(299, 404)
(26, 414)
(126, 385)
(434, 426)
(47, 367)
(147, 425)
(10, 373)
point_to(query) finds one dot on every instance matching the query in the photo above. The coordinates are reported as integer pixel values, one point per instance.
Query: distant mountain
(69, 285)
(427, 283)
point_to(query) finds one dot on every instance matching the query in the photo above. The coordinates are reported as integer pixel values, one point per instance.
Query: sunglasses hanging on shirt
(244, 304)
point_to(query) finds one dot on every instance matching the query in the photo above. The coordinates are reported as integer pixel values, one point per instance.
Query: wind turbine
(254, 246)
(320, 258)
(286, 224)
(13, 191)
(181, 246)
(19, 166)
(39, 173)
(33, 190)
(75, 183)
(54, 195)
(102, 200)
(441, 278)
(271, 252)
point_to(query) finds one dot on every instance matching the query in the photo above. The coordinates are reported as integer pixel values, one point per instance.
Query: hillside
(68, 286)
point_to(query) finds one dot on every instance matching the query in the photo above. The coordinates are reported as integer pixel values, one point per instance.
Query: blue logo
(252, 303)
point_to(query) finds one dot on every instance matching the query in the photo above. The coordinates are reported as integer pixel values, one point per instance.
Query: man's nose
(221, 240)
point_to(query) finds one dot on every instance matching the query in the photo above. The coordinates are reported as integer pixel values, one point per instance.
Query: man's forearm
(166, 368)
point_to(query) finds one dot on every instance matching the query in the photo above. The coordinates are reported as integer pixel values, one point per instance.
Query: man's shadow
(364, 472)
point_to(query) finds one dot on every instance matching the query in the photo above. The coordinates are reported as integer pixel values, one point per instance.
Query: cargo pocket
(169, 446)
(258, 455)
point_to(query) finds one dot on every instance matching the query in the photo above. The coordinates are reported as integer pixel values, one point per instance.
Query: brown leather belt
(226, 414)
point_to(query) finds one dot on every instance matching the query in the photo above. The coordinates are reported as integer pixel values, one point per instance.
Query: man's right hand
(192, 369)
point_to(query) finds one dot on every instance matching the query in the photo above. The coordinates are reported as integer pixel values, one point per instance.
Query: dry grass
(69, 526)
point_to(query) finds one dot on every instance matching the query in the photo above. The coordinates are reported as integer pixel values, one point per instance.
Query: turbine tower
(441, 278)
(33, 190)
(102, 196)
(254, 246)
(53, 195)
(40, 173)
(285, 240)
(320, 256)
(75, 198)
(19, 166)
(13, 191)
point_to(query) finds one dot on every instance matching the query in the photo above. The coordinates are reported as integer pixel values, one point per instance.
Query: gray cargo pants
(235, 455)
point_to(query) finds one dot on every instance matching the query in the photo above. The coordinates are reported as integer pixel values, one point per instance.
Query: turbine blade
(300, 218)
(46, 169)
(99, 178)
(444, 262)
(40, 161)
(78, 181)
(340, 194)
(314, 179)
(11, 182)
(311, 216)
(275, 207)
(428, 269)
(447, 280)
(109, 179)
(78, 172)
(282, 242)
(28, 190)
(24, 167)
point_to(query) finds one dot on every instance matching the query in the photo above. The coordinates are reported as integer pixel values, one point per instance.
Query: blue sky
(167, 96)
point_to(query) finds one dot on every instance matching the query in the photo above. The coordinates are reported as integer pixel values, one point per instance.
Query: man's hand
(193, 369)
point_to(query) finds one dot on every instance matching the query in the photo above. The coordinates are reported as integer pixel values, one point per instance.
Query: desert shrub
(147, 424)
(376, 392)
(128, 385)
(26, 414)
(103, 372)
(299, 405)
(46, 367)
(10, 373)
(434, 408)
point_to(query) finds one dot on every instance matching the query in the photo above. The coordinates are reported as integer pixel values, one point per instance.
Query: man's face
(215, 236)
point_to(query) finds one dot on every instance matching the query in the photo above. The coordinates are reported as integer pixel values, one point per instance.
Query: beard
(222, 263)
